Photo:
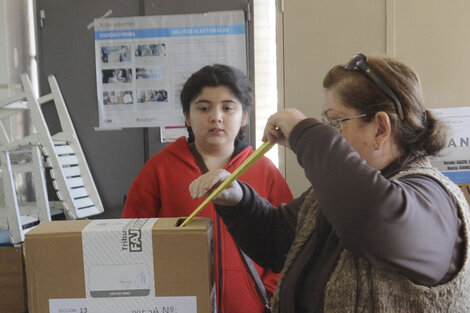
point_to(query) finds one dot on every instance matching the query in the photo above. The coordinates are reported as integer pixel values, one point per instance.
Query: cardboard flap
(466, 191)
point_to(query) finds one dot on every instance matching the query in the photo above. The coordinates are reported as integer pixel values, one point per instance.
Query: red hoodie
(161, 189)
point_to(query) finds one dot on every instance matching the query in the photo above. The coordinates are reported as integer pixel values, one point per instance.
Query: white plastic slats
(67, 160)
(74, 182)
(85, 212)
(71, 171)
(83, 203)
(63, 149)
(78, 193)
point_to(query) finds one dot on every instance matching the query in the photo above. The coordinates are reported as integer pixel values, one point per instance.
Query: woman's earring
(376, 147)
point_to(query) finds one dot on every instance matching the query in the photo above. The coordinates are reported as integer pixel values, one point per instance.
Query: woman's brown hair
(420, 133)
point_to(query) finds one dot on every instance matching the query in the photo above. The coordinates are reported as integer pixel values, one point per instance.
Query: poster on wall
(142, 63)
(454, 160)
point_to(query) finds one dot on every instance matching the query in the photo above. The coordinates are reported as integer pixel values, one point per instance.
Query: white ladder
(71, 175)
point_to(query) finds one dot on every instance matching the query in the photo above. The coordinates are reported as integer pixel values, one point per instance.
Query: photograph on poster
(151, 50)
(115, 54)
(149, 73)
(118, 75)
(153, 95)
(118, 97)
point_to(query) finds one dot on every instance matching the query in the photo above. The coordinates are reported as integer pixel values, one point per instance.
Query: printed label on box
(170, 305)
(118, 265)
(67, 306)
(160, 305)
(125, 280)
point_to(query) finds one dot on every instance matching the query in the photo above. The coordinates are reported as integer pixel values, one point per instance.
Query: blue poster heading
(462, 177)
(171, 32)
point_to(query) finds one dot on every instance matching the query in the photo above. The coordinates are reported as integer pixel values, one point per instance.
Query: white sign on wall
(143, 62)
(454, 161)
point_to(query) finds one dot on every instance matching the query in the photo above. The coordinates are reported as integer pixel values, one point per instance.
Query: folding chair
(71, 175)
(20, 157)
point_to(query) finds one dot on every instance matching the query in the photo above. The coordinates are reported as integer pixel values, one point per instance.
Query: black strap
(258, 282)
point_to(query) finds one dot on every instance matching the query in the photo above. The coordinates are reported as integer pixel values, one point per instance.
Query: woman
(216, 101)
(380, 230)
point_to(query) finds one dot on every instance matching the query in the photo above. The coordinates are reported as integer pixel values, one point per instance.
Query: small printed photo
(153, 95)
(148, 73)
(112, 54)
(118, 75)
(151, 50)
(117, 97)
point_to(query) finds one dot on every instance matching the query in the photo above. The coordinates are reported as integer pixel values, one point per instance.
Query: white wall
(317, 35)
(429, 35)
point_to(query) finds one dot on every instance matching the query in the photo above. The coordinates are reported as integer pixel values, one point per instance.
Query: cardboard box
(13, 297)
(466, 191)
(63, 278)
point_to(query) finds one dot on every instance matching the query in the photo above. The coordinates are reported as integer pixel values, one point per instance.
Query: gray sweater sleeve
(408, 225)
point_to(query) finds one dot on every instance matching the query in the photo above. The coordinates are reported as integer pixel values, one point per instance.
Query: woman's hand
(205, 184)
(281, 124)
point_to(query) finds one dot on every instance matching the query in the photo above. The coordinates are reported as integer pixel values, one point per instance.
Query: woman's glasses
(359, 63)
(338, 123)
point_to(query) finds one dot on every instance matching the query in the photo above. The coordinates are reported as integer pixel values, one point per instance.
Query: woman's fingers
(280, 125)
(205, 184)
(200, 187)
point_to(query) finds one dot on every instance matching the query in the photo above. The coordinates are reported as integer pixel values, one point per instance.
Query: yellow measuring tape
(255, 156)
